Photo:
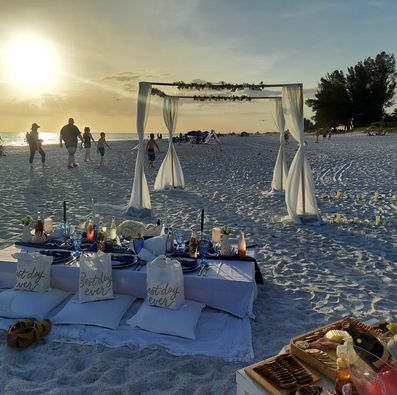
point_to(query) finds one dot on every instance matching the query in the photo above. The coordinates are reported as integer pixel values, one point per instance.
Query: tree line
(359, 97)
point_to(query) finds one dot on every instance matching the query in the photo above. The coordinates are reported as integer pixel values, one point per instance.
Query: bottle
(241, 246)
(101, 236)
(113, 230)
(39, 228)
(193, 245)
(343, 377)
(169, 245)
(368, 347)
(90, 230)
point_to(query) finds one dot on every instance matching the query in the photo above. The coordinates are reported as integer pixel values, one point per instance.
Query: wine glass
(203, 250)
(76, 240)
(179, 238)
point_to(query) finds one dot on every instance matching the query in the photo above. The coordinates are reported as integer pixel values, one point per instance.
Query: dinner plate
(119, 261)
(189, 265)
(59, 256)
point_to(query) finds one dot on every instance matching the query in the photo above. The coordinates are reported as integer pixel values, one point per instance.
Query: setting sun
(30, 61)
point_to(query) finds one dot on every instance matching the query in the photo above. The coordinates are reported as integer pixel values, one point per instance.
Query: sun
(30, 61)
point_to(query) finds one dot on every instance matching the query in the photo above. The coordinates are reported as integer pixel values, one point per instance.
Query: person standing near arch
(69, 134)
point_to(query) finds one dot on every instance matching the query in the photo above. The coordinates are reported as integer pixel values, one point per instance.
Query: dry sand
(313, 275)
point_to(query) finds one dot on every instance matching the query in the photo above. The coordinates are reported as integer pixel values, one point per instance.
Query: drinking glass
(179, 238)
(65, 227)
(76, 239)
(203, 250)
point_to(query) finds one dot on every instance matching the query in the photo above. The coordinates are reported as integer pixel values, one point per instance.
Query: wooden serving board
(268, 385)
(326, 366)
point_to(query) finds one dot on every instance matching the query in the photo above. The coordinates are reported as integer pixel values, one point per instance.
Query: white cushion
(95, 281)
(181, 322)
(104, 313)
(23, 304)
(33, 272)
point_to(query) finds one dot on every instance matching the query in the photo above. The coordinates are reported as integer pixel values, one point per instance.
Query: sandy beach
(313, 274)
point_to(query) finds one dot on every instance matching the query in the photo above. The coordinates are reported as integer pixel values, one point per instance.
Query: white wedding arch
(288, 109)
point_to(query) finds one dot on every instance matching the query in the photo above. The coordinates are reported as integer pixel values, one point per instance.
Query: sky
(84, 58)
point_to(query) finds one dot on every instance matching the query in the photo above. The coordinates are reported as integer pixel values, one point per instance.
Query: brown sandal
(17, 328)
(22, 335)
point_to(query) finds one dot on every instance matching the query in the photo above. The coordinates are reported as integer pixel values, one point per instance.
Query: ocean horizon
(19, 138)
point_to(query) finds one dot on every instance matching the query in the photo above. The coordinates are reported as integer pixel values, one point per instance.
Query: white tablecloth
(228, 286)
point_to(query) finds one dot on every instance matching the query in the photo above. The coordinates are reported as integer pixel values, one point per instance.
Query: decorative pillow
(95, 281)
(165, 283)
(33, 272)
(181, 322)
(104, 313)
(21, 304)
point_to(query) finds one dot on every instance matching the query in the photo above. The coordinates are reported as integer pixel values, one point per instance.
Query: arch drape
(299, 192)
(170, 174)
(139, 203)
(280, 171)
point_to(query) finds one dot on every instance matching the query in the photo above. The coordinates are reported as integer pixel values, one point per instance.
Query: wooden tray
(325, 366)
(269, 385)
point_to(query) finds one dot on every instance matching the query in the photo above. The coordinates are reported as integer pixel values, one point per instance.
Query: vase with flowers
(226, 247)
(26, 235)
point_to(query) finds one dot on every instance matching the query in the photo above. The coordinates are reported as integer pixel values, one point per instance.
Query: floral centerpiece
(26, 235)
(27, 220)
(226, 247)
(131, 229)
(226, 230)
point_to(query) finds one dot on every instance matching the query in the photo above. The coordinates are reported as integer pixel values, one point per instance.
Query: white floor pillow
(181, 322)
(23, 304)
(104, 313)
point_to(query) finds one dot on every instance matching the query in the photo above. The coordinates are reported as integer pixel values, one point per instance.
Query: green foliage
(360, 97)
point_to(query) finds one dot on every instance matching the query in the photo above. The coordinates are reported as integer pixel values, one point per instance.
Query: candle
(356, 220)
(48, 225)
(338, 195)
(377, 220)
(338, 217)
(64, 211)
(202, 223)
(216, 235)
(376, 196)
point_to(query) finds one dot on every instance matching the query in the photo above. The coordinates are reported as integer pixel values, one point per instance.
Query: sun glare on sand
(30, 61)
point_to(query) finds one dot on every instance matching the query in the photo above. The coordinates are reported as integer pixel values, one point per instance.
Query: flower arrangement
(27, 220)
(131, 229)
(226, 230)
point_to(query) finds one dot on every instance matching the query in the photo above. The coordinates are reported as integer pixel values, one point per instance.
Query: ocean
(18, 138)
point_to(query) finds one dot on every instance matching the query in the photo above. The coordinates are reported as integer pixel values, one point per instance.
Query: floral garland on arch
(218, 86)
(158, 92)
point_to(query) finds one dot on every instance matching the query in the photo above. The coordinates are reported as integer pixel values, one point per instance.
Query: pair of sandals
(24, 333)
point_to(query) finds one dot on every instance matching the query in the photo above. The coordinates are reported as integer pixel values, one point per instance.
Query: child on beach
(151, 145)
(87, 138)
(101, 147)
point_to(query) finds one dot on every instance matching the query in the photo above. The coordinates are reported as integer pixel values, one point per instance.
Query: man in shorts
(69, 134)
(151, 145)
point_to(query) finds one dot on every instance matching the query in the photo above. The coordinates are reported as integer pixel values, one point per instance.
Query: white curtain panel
(140, 197)
(280, 171)
(170, 174)
(300, 195)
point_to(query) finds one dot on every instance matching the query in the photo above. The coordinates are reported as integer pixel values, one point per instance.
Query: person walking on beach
(286, 137)
(35, 144)
(317, 134)
(69, 134)
(151, 155)
(101, 148)
(87, 137)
